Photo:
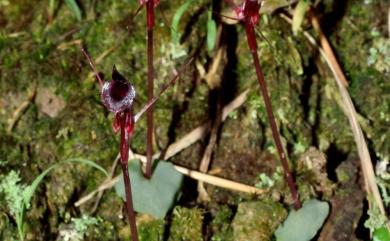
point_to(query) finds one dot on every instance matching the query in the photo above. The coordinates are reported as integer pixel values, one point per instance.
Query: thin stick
(21, 109)
(85, 52)
(251, 37)
(388, 21)
(207, 155)
(202, 177)
(149, 136)
(138, 11)
(111, 175)
(104, 186)
(219, 182)
(350, 111)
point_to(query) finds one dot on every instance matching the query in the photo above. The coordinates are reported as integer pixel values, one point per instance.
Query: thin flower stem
(129, 203)
(93, 66)
(251, 37)
(124, 153)
(149, 139)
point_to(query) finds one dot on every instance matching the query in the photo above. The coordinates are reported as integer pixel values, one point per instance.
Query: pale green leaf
(211, 33)
(74, 8)
(153, 196)
(176, 20)
(302, 225)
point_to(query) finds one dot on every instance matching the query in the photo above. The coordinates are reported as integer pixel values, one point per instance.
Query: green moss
(312, 177)
(8, 231)
(256, 221)
(222, 230)
(151, 230)
(186, 224)
(367, 69)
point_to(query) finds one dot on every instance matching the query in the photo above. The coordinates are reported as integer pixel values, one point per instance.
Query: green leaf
(381, 234)
(211, 32)
(299, 15)
(176, 20)
(302, 225)
(52, 6)
(154, 196)
(29, 191)
(74, 8)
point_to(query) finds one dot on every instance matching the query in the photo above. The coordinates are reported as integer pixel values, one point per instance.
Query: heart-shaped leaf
(302, 225)
(153, 196)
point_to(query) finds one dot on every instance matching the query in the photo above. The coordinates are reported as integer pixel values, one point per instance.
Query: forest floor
(51, 111)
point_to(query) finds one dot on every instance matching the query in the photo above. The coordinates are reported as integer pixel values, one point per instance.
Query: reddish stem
(251, 37)
(129, 203)
(86, 54)
(149, 138)
(124, 152)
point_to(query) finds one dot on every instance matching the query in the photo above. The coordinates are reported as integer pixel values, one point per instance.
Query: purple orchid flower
(118, 96)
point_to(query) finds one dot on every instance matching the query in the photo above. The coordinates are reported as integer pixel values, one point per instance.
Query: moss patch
(256, 221)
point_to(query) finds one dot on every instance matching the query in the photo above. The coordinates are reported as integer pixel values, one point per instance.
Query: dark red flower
(250, 10)
(118, 94)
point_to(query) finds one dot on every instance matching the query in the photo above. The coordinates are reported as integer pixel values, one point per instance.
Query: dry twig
(365, 159)
(21, 109)
(213, 180)
(206, 159)
(111, 175)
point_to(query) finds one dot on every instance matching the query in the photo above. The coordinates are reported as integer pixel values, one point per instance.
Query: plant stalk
(251, 37)
(124, 153)
(149, 138)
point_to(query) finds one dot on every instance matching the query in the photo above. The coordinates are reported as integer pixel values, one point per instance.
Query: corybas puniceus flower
(248, 12)
(118, 96)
